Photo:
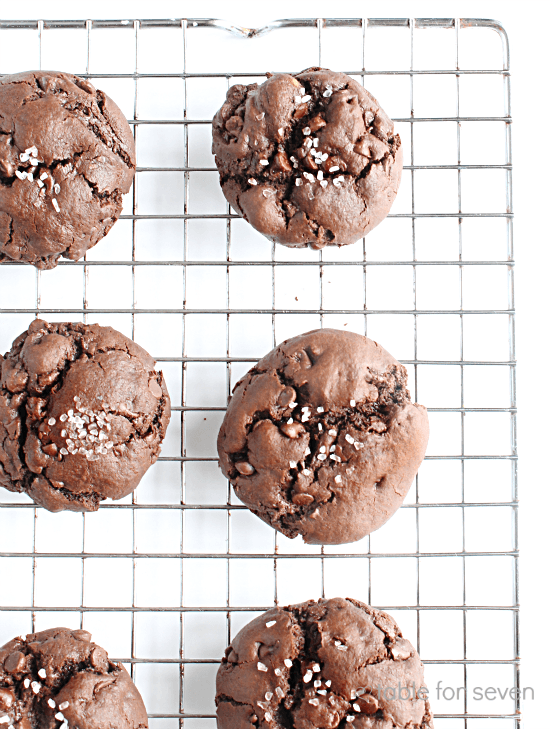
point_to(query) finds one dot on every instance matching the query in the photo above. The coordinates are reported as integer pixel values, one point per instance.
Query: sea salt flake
(277, 672)
(51, 703)
(42, 673)
(334, 168)
(288, 661)
(332, 432)
(271, 623)
(268, 696)
(328, 683)
(319, 175)
(324, 183)
(323, 692)
(321, 456)
(261, 666)
(323, 449)
(59, 716)
(308, 676)
(281, 131)
(292, 465)
(36, 687)
(55, 204)
(306, 131)
(357, 707)
(279, 691)
(307, 451)
(314, 702)
(349, 438)
(316, 142)
(290, 420)
(252, 181)
(65, 704)
(51, 421)
(352, 403)
(305, 98)
(298, 182)
(264, 162)
(320, 409)
(306, 471)
(338, 479)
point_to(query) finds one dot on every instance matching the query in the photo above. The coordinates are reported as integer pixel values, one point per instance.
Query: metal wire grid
(280, 553)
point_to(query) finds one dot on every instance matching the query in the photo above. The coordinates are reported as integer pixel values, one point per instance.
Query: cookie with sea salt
(83, 413)
(58, 679)
(308, 158)
(332, 663)
(321, 438)
(67, 157)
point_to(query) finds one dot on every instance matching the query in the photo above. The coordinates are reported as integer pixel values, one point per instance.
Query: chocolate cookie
(322, 664)
(321, 439)
(58, 679)
(82, 415)
(66, 158)
(307, 159)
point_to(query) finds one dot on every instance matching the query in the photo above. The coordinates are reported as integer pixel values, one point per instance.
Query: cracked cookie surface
(326, 664)
(66, 158)
(321, 439)
(307, 159)
(83, 413)
(58, 679)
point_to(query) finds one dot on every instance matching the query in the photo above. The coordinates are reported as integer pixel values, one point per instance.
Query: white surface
(528, 43)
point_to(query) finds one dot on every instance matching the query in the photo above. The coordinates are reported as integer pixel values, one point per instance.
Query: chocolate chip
(292, 430)
(281, 163)
(233, 657)
(15, 662)
(82, 635)
(287, 396)
(368, 704)
(302, 499)
(50, 449)
(317, 122)
(155, 388)
(244, 468)
(99, 660)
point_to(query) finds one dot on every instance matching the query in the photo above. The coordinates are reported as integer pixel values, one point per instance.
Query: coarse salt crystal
(307, 451)
(323, 449)
(323, 692)
(314, 702)
(252, 181)
(268, 696)
(305, 98)
(65, 704)
(264, 162)
(324, 156)
(36, 687)
(26, 683)
(4, 719)
(298, 182)
(306, 131)
(306, 471)
(357, 707)
(59, 716)
(316, 142)
(338, 479)
(259, 117)
(279, 691)
(277, 672)
(298, 99)
(21, 175)
(321, 456)
(350, 718)
(349, 438)
(320, 409)
(336, 183)
(328, 683)
(334, 168)
(302, 91)
(63, 418)
(44, 176)
(352, 403)
(324, 183)
(317, 683)
(290, 420)
(342, 647)
(64, 452)
(42, 673)
(316, 668)
(261, 666)
(271, 623)
(319, 175)
(51, 703)
(328, 92)
(308, 675)
(332, 432)
(39, 183)
(54, 203)
(281, 131)
(57, 188)
(51, 421)
(319, 426)
(308, 142)
(292, 405)
(288, 662)
(292, 465)
(332, 449)
(24, 157)
(30, 178)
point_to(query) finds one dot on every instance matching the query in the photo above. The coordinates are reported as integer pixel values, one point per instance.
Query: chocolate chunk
(337, 160)
(67, 157)
(15, 662)
(90, 420)
(61, 673)
(326, 663)
(342, 464)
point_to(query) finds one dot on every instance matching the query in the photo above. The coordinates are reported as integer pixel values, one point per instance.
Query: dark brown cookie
(307, 159)
(82, 415)
(322, 664)
(66, 158)
(58, 679)
(321, 439)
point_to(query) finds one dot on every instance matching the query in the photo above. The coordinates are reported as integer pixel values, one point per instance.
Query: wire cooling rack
(166, 577)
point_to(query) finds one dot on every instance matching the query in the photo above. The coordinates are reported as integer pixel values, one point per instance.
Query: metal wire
(178, 701)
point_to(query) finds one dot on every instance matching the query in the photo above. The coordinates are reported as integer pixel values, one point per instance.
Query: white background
(527, 27)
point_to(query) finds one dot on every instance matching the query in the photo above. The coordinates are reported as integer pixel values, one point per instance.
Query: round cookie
(321, 439)
(58, 679)
(307, 159)
(66, 158)
(82, 415)
(322, 664)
